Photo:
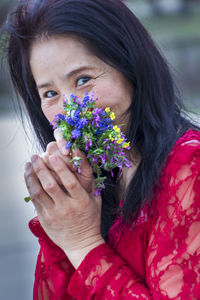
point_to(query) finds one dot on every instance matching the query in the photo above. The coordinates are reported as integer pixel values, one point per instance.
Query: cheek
(105, 92)
(50, 110)
(113, 94)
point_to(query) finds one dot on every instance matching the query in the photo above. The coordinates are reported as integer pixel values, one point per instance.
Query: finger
(68, 179)
(61, 142)
(45, 157)
(52, 149)
(37, 194)
(46, 179)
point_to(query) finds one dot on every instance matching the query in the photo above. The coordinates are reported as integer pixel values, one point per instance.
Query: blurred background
(175, 27)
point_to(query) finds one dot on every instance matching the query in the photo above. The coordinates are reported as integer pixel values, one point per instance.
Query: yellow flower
(111, 138)
(117, 129)
(107, 110)
(119, 141)
(112, 116)
(126, 145)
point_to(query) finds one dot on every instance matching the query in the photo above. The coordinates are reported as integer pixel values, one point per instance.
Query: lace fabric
(53, 269)
(157, 257)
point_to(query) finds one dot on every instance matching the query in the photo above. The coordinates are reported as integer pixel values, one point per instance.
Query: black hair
(115, 35)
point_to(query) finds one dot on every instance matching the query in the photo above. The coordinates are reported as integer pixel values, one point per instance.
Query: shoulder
(182, 165)
(180, 180)
(188, 141)
(186, 151)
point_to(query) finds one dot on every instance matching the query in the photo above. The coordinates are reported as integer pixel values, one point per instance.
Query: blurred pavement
(18, 247)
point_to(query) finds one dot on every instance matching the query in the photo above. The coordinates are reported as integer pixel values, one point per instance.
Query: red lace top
(157, 257)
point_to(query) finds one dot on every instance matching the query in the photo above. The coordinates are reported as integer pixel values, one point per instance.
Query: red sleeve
(53, 269)
(173, 254)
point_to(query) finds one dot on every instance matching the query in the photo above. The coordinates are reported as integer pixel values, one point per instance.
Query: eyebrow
(67, 76)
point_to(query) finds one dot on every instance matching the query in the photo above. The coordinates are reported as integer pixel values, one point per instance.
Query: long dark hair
(115, 35)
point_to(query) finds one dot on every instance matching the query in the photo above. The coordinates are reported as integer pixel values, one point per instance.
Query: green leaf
(76, 158)
(100, 179)
(27, 199)
(98, 151)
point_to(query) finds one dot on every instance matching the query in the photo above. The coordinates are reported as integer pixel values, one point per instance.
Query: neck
(128, 173)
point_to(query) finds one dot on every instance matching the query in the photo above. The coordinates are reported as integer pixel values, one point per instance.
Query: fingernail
(65, 151)
(34, 158)
(58, 132)
(28, 166)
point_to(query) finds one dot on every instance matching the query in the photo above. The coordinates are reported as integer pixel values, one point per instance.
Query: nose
(60, 108)
(65, 96)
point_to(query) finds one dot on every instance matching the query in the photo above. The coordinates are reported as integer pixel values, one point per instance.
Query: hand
(71, 219)
(58, 148)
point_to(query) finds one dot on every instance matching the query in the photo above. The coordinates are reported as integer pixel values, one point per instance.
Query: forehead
(56, 50)
(60, 58)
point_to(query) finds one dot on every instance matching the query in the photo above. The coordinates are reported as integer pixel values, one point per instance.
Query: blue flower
(60, 117)
(75, 133)
(86, 98)
(100, 130)
(72, 96)
(104, 124)
(69, 121)
(81, 123)
(75, 115)
(68, 145)
(103, 114)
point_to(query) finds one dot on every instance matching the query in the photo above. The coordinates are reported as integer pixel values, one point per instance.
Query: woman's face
(63, 65)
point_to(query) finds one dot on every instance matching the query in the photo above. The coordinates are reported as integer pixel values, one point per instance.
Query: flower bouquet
(91, 129)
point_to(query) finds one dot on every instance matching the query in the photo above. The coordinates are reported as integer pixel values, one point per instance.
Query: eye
(50, 94)
(82, 80)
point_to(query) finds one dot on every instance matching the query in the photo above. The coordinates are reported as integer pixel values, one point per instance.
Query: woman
(140, 238)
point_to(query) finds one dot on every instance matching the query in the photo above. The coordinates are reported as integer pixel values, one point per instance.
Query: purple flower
(127, 162)
(79, 170)
(117, 160)
(87, 146)
(95, 159)
(107, 147)
(103, 158)
(98, 118)
(97, 192)
(97, 111)
(76, 133)
(73, 98)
